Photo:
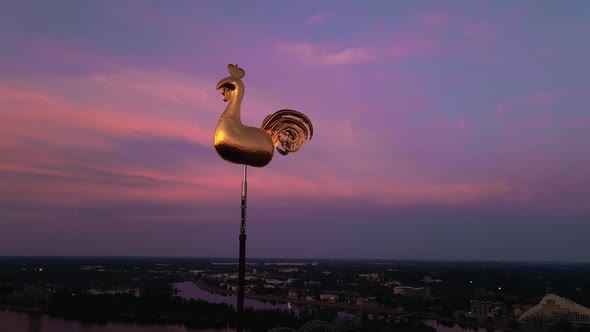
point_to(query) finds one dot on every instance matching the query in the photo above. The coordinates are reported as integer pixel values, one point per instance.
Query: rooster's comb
(235, 71)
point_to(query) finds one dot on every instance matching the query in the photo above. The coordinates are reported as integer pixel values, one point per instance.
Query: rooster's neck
(232, 111)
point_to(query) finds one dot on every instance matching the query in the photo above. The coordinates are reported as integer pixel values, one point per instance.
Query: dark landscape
(97, 290)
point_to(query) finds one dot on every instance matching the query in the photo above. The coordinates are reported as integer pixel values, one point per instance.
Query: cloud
(499, 110)
(316, 18)
(482, 31)
(319, 54)
(453, 194)
(424, 36)
(458, 125)
(436, 19)
(128, 140)
(581, 122)
(540, 98)
(127, 135)
(350, 56)
(65, 110)
(542, 52)
(133, 168)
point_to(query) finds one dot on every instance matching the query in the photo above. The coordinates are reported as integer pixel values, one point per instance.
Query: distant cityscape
(503, 296)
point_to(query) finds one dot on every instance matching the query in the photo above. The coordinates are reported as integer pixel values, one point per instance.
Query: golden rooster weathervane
(285, 130)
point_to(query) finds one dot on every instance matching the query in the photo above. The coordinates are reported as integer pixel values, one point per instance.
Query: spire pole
(242, 259)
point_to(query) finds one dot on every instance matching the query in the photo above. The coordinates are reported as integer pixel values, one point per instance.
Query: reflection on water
(189, 290)
(35, 320)
(11, 321)
(134, 291)
(452, 327)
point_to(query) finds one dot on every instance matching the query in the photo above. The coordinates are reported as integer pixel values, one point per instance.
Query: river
(454, 328)
(11, 321)
(189, 290)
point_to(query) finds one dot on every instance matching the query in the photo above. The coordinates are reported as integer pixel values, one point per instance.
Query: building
(519, 309)
(518, 312)
(366, 302)
(423, 292)
(429, 280)
(370, 276)
(348, 296)
(332, 298)
(553, 309)
(487, 308)
(359, 300)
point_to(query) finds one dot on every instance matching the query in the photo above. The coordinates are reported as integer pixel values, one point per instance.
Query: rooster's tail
(288, 129)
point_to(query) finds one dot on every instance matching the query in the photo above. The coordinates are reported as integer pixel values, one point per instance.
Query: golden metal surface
(285, 130)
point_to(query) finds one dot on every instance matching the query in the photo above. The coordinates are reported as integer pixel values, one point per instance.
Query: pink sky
(437, 126)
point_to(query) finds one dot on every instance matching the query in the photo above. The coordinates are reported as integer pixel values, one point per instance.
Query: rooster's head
(228, 84)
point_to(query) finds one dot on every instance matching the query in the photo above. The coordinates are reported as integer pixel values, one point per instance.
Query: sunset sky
(443, 130)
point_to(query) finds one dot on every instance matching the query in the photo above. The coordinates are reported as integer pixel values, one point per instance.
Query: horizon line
(382, 260)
